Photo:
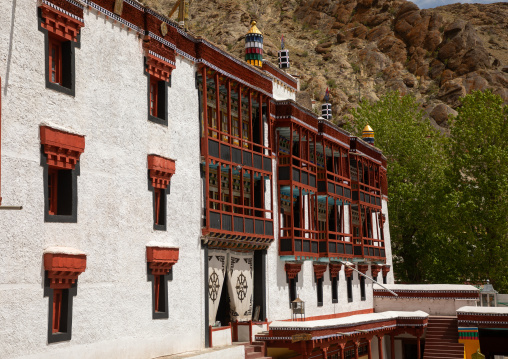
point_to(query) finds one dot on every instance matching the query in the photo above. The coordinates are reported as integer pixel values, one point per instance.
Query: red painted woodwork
(386, 269)
(158, 68)
(154, 96)
(157, 288)
(161, 170)
(55, 60)
(279, 74)
(60, 24)
(319, 270)
(52, 190)
(63, 269)
(349, 270)
(57, 310)
(363, 268)
(158, 195)
(292, 269)
(334, 269)
(63, 149)
(375, 269)
(161, 259)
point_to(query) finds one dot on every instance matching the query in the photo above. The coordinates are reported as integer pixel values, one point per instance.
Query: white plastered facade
(112, 311)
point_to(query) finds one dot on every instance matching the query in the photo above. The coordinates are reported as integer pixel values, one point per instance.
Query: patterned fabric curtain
(217, 264)
(241, 285)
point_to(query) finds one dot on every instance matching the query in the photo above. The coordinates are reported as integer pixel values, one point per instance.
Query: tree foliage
(447, 195)
(479, 180)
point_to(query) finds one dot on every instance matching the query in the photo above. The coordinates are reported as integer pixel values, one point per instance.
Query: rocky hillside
(362, 48)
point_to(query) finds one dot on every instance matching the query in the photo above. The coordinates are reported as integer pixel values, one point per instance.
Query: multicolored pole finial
(254, 46)
(283, 55)
(326, 108)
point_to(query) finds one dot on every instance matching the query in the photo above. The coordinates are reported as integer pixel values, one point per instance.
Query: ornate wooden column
(357, 344)
(380, 346)
(369, 348)
(342, 346)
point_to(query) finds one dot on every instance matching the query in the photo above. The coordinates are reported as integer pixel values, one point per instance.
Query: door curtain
(240, 282)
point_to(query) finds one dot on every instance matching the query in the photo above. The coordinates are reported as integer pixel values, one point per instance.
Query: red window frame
(57, 310)
(154, 97)
(55, 60)
(157, 288)
(52, 190)
(158, 198)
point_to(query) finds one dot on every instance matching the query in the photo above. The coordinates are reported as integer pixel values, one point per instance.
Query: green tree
(479, 178)
(419, 215)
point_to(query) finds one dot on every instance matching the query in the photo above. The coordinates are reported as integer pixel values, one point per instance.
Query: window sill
(158, 120)
(59, 88)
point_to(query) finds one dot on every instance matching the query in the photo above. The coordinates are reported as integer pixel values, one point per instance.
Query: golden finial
(253, 28)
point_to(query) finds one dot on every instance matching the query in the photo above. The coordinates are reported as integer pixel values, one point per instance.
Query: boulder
(373, 60)
(475, 82)
(394, 48)
(441, 114)
(451, 91)
(378, 33)
(435, 69)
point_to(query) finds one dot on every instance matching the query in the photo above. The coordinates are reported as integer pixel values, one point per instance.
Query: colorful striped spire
(254, 46)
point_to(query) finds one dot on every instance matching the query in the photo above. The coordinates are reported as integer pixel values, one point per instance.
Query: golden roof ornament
(253, 28)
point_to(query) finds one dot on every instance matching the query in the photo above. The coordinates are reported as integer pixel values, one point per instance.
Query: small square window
(319, 284)
(60, 153)
(59, 189)
(349, 289)
(157, 96)
(61, 37)
(335, 290)
(159, 203)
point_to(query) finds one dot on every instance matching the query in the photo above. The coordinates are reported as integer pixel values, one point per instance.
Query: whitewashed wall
(388, 244)
(282, 92)
(428, 305)
(112, 312)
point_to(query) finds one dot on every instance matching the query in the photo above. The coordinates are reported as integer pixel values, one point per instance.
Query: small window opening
(349, 289)
(159, 203)
(384, 279)
(158, 294)
(59, 192)
(320, 292)
(153, 97)
(362, 287)
(292, 290)
(335, 290)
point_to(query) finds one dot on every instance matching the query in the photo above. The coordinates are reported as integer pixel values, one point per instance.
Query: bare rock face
(462, 50)
(373, 60)
(441, 113)
(451, 91)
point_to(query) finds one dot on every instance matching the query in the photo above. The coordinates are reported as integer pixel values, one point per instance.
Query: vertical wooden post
(230, 131)
(369, 348)
(418, 351)
(392, 345)
(380, 346)
(217, 107)
(357, 344)
(251, 138)
(325, 352)
(210, 336)
(206, 135)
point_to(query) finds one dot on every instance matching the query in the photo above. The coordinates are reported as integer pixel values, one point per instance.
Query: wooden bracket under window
(58, 23)
(335, 269)
(63, 268)
(386, 269)
(375, 269)
(161, 259)
(63, 149)
(161, 170)
(363, 268)
(319, 270)
(292, 269)
(349, 270)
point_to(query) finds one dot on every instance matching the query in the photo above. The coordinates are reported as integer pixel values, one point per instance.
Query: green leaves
(448, 196)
